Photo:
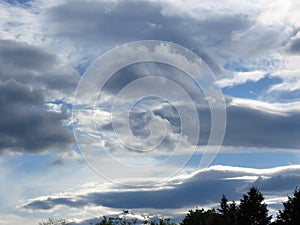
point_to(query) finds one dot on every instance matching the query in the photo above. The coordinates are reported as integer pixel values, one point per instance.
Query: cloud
(26, 125)
(251, 123)
(200, 188)
(31, 76)
(37, 68)
(24, 56)
(241, 41)
(103, 25)
(295, 46)
(240, 78)
(279, 183)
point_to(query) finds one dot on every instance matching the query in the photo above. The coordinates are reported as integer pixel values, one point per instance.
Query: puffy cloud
(30, 76)
(26, 125)
(36, 68)
(240, 78)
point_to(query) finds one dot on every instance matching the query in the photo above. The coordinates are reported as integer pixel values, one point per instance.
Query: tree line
(252, 210)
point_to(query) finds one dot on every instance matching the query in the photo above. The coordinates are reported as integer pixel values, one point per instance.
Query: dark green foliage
(253, 210)
(229, 212)
(161, 222)
(290, 215)
(55, 222)
(125, 221)
(118, 220)
(202, 217)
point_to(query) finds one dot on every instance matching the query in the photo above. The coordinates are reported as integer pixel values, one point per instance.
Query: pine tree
(233, 213)
(202, 217)
(252, 209)
(228, 212)
(290, 215)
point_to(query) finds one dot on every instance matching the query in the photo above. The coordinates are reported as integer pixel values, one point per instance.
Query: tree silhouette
(228, 212)
(121, 220)
(55, 222)
(290, 215)
(252, 209)
(202, 217)
(162, 222)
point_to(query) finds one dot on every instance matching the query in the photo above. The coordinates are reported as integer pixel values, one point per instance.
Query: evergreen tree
(55, 222)
(233, 212)
(290, 215)
(224, 206)
(252, 209)
(228, 212)
(202, 217)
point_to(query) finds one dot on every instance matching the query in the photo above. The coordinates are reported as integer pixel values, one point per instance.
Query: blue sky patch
(251, 89)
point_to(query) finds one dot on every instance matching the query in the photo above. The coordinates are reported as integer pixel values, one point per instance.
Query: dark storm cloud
(26, 125)
(203, 188)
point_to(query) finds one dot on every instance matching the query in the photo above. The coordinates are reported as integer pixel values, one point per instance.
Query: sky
(153, 106)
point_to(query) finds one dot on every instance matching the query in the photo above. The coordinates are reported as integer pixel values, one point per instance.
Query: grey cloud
(12, 92)
(246, 127)
(198, 190)
(203, 188)
(35, 67)
(279, 183)
(103, 25)
(42, 205)
(106, 21)
(295, 46)
(26, 125)
(255, 128)
(24, 56)
(30, 76)
(128, 21)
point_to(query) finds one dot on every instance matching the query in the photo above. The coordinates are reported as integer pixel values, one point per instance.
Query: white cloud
(290, 76)
(241, 77)
(283, 109)
(279, 12)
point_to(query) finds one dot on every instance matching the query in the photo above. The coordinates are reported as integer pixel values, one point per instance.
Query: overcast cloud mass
(253, 49)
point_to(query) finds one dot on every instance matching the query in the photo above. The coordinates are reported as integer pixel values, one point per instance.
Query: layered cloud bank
(202, 188)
